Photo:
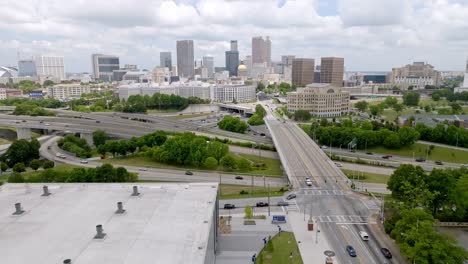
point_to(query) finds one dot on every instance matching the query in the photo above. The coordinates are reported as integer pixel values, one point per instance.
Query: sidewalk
(311, 252)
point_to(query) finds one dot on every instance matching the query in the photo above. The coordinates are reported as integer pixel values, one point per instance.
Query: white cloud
(370, 34)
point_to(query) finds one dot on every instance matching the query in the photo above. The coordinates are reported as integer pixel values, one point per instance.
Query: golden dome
(242, 67)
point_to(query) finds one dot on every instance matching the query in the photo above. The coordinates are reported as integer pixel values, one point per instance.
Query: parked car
(262, 204)
(282, 203)
(386, 253)
(420, 159)
(351, 251)
(188, 173)
(291, 196)
(439, 163)
(239, 178)
(84, 161)
(229, 206)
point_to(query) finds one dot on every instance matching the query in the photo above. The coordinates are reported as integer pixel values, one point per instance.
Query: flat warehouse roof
(165, 223)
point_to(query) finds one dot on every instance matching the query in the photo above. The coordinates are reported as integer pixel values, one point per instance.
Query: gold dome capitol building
(242, 70)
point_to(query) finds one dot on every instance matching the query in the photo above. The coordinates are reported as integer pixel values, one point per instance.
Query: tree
(256, 120)
(48, 83)
(48, 164)
(35, 164)
(408, 136)
(260, 86)
(390, 101)
(16, 177)
(435, 97)
(375, 110)
(217, 150)
(260, 110)
(302, 115)
(323, 122)
(3, 166)
(361, 105)
(19, 167)
(398, 107)
(456, 108)
(22, 151)
(392, 141)
(411, 98)
(244, 165)
(100, 137)
(102, 150)
(210, 163)
(407, 185)
(228, 162)
(233, 124)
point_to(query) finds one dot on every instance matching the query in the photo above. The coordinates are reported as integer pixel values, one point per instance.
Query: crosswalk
(310, 191)
(351, 219)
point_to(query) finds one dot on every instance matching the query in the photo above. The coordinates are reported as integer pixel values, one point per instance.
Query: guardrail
(451, 224)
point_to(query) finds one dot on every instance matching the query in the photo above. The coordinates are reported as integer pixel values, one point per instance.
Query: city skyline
(395, 33)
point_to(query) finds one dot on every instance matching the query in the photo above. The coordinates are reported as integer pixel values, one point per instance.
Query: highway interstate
(340, 213)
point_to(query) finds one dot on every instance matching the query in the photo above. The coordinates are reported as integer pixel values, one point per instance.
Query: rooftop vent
(67, 261)
(46, 190)
(135, 191)
(18, 208)
(120, 209)
(99, 232)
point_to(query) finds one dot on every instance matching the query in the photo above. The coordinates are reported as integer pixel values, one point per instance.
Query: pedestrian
(290, 255)
(279, 230)
(264, 241)
(254, 257)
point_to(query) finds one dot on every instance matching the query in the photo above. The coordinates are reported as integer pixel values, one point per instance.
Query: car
(338, 164)
(262, 134)
(309, 183)
(47, 124)
(439, 163)
(97, 121)
(291, 196)
(324, 147)
(23, 121)
(351, 251)
(284, 122)
(353, 150)
(364, 236)
(261, 204)
(17, 121)
(66, 125)
(386, 157)
(369, 153)
(239, 178)
(420, 159)
(42, 121)
(188, 173)
(142, 169)
(49, 147)
(84, 161)
(386, 253)
(229, 206)
(282, 203)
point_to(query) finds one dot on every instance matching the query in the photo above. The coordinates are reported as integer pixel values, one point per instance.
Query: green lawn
(390, 114)
(273, 166)
(367, 176)
(439, 153)
(279, 251)
(233, 191)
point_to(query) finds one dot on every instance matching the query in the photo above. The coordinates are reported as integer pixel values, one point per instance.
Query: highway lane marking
(348, 243)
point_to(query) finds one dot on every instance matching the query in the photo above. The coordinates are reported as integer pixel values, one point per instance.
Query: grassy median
(281, 249)
(366, 176)
(229, 191)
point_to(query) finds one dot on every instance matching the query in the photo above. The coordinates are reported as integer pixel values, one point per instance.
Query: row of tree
(449, 95)
(451, 134)
(140, 104)
(420, 199)
(32, 110)
(233, 124)
(76, 145)
(257, 118)
(47, 102)
(104, 173)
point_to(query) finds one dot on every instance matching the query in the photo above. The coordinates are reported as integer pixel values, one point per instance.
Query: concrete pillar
(23, 133)
(88, 137)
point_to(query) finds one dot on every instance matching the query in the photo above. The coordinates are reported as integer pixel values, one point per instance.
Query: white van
(364, 235)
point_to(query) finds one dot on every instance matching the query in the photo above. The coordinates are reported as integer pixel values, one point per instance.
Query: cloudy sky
(369, 34)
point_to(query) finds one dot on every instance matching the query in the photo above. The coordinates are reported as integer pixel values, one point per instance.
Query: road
(339, 212)
(154, 174)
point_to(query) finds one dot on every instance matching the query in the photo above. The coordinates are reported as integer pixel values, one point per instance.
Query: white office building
(103, 66)
(229, 93)
(68, 91)
(50, 66)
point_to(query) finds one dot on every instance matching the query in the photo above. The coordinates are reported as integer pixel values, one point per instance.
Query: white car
(84, 161)
(364, 235)
(324, 147)
(47, 124)
(339, 165)
(142, 169)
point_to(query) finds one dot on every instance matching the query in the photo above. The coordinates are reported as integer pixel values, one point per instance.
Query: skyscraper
(208, 63)
(104, 65)
(185, 58)
(232, 59)
(50, 66)
(331, 70)
(261, 50)
(302, 71)
(165, 59)
(26, 68)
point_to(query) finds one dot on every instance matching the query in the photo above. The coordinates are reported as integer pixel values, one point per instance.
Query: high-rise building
(50, 66)
(332, 70)
(261, 50)
(302, 71)
(185, 58)
(418, 75)
(26, 68)
(208, 63)
(165, 59)
(232, 59)
(104, 65)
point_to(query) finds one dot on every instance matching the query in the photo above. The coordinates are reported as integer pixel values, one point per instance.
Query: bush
(19, 167)
(233, 124)
(48, 164)
(16, 178)
(210, 163)
(35, 164)
(228, 162)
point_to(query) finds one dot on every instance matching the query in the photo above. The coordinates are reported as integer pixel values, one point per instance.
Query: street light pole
(268, 199)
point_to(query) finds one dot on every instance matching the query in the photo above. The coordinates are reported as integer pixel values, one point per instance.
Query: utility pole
(382, 215)
(268, 199)
(219, 184)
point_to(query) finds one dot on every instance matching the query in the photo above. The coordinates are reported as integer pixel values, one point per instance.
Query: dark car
(97, 121)
(439, 163)
(262, 134)
(291, 196)
(369, 153)
(188, 173)
(282, 203)
(239, 178)
(386, 253)
(261, 204)
(386, 157)
(351, 251)
(420, 159)
(229, 206)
